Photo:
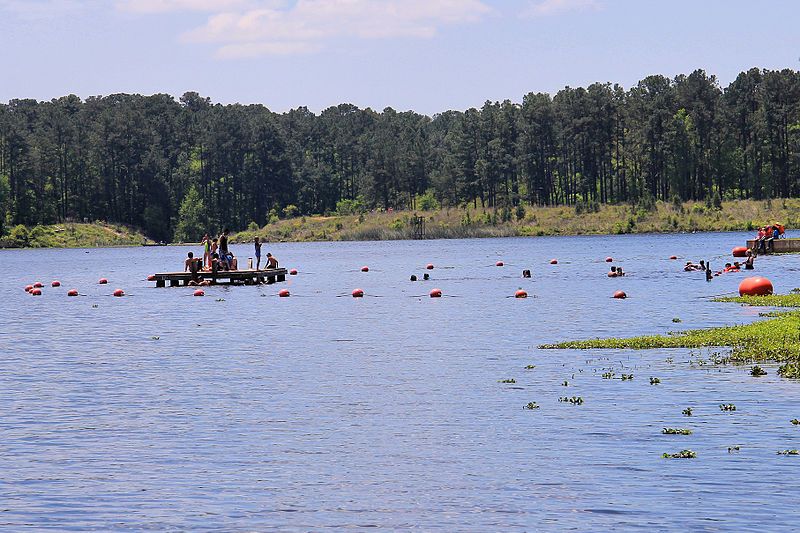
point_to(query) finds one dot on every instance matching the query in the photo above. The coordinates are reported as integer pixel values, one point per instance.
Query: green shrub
(350, 207)
(19, 236)
(427, 202)
(290, 211)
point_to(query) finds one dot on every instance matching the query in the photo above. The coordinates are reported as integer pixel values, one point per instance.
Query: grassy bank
(776, 339)
(72, 236)
(534, 221)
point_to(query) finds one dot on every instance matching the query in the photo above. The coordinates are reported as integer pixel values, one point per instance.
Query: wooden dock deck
(247, 277)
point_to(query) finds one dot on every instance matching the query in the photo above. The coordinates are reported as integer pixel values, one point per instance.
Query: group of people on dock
(766, 237)
(217, 257)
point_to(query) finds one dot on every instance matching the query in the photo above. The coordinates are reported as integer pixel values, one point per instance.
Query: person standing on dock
(206, 242)
(257, 243)
(223, 243)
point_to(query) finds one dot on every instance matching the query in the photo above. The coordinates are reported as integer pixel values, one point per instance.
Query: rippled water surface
(245, 411)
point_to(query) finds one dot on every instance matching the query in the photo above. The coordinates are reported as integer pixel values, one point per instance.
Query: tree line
(178, 167)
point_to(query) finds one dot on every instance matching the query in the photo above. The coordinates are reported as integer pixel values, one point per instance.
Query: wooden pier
(778, 246)
(246, 277)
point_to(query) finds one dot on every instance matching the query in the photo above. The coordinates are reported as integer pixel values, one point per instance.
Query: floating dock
(778, 246)
(246, 277)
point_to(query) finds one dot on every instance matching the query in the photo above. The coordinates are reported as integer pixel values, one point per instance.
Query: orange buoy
(36, 292)
(755, 286)
(520, 294)
(673, 257)
(284, 293)
(740, 251)
(151, 277)
(365, 269)
(293, 272)
(199, 292)
(102, 281)
(55, 283)
(554, 261)
(620, 295)
(499, 264)
(28, 288)
(358, 293)
(72, 292)
(436, 293)
(609, 259)
(429, 266)
(119, 292)
(38, 285)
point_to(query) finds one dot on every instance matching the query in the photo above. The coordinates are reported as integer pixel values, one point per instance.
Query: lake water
(245, 411)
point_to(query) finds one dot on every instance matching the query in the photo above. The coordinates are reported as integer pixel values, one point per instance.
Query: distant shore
(471, 222)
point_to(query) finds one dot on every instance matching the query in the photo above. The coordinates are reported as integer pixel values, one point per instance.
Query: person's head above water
(190, 255)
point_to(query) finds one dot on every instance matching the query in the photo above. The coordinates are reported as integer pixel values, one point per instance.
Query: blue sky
(425, 55)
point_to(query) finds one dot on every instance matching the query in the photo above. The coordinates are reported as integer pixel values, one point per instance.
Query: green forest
(178, 168)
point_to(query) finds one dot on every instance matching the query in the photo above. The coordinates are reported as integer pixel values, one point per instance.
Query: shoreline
(452, 223)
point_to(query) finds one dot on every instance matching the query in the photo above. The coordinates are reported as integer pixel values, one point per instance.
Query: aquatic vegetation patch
(757, 371)
(676, 320)
(789, 452)
(608, 375)
(795, 422)
(654, 381)
(565, 383)
(687, 411)
(510, 380)
(530, 367)
(727, 407)
(683, 454)
(776, 339)
(733, 449)
(627, 377)
(531, 406)
(575, 400)
(676, 431)
(772, 300)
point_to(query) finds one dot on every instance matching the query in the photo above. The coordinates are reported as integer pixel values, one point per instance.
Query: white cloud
(250, 28)
(545, 8)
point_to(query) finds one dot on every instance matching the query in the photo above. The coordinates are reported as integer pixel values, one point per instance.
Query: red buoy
(429, 266)
(151, 277)
(199, 292)
(365, 269)
(284, 293)
(740, 251)
(358, 293)
(620, 295)
(755, 286)
(119, 292)
(609, 259)
(36, 292)
(293, 272)
(554, 261)
(436, 293)
(28, 288)
(499, 264)
(520, 294)
(102, 281)
(38, 285)
(72, 292)
(673, 257)
(55, 283)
